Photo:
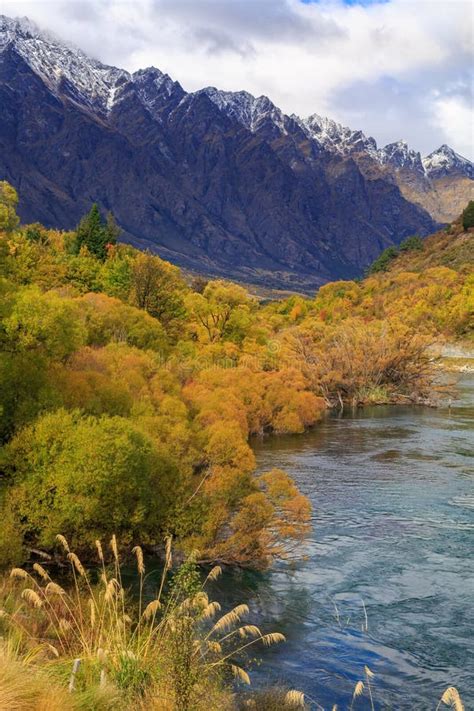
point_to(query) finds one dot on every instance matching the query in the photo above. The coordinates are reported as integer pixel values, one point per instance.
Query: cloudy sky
(396, 68)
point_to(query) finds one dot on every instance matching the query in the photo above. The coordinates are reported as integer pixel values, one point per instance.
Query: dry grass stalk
(92, 615)
(273, 638)
(32, 597)
(168, 554)
(358, 691)
(63, 542)
(114, 547)
(41, 571)
(240, 674)
(249, 631)
(451, 698)
(54, 589)
(139, 556)
(214, 573)
(295, 698)
(231, 618)
(151, 609)
(77, 564)
(369, 674)
(210, 610)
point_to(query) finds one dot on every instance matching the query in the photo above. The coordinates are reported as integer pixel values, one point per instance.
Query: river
(392, 490)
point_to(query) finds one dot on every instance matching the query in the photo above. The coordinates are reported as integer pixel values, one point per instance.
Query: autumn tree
(8, 204)
(36, 330)
(158, 288)
(110, 320)
(115, 276)
(37, 233)
(361, 362)
(89, 478)
(270, 522)
(43, 323)
(83, 271)
(221, 310)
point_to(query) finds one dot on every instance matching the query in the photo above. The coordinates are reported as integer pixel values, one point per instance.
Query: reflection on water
(393, 496)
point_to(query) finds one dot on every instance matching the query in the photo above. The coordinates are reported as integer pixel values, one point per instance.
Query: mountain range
(218, 182)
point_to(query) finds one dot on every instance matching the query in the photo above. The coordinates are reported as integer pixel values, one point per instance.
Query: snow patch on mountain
(335, 137)
(399, 155)
(69, 71)
(248, 110)
(445, 161)
(56, 62)
(154, 89)
(340, 139)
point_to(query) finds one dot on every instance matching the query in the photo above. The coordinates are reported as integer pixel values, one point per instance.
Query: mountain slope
(215, 181)
(442, 182)
(452, 248)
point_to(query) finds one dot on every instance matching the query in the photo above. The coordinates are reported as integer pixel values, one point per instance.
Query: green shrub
(12, 551)
(87, 476)
(411, 244)
(468, 216)
(383, 261)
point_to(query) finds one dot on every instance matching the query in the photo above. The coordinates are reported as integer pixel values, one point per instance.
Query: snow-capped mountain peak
(68, 71)
(154, 88)
(248, 110)
(60, 64)
(444, 160)
(335, 137)
(399, 155)
(18, 26)
(159, 79)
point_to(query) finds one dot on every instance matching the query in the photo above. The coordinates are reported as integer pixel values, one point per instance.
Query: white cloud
(455, 118)
(399, 68)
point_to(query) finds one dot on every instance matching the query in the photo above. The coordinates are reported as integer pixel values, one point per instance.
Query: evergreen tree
(468, 216)
(93, 233)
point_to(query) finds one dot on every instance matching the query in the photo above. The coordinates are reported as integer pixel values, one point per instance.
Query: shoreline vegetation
(129, 397)
(92, 646)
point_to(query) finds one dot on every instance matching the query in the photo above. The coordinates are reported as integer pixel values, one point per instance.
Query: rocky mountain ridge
(216, 181)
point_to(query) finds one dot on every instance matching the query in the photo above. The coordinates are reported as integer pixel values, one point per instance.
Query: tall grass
(92, 646)
(174, 651)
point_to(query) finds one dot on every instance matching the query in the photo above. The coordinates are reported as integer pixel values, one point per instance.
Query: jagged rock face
(446, 162)
(219, 182)
(442, 183)
(64, 69)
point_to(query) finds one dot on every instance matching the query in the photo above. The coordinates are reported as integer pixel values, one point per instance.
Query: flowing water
(389, 578)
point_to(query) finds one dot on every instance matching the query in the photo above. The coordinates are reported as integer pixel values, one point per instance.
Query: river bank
(455, 357)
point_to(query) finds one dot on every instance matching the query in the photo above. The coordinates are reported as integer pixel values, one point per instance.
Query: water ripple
(392, 512)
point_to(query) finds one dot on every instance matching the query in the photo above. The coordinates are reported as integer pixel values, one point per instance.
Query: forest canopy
(129, 392)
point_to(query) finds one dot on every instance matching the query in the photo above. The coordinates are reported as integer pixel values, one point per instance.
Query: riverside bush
(129, 396)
